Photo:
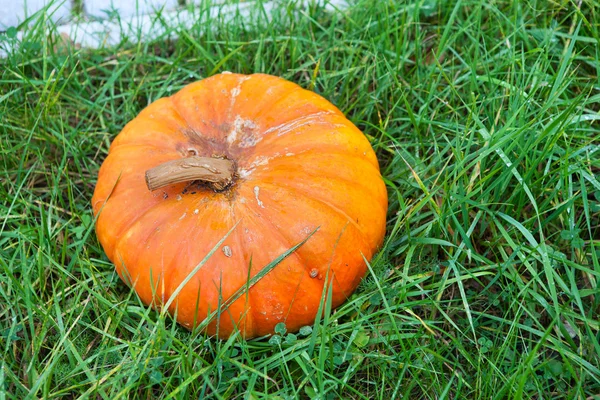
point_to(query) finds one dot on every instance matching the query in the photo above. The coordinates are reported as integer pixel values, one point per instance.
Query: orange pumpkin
(281, 163)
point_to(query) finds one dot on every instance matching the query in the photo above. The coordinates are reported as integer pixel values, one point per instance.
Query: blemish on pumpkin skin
(235, 92)
(243, 131)
(227, 251)
(262, 160)
(196, 211)
(295, 124)
(314, 273)
(258, 162)
(183, 216)
(256, 193)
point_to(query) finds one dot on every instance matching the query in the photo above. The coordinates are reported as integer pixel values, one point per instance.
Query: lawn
(484, 117)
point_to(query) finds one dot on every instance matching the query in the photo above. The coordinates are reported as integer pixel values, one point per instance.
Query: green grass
(484, 116)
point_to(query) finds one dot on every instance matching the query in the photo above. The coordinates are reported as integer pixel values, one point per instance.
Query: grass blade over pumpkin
(254, 280)
(242, 290)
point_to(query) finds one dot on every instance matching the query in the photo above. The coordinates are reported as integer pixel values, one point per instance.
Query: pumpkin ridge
(350, 182)
(308, 267)
(305, 278)
(190, 133)
(128, 146)
(330, 262)
(235, 149)
(263, 174)
(303, 143)
(125, 228)
(123, 233)
(266, 168)
(272, 105)
(221, 310)
(296, 290)
(167, 288)
(332, 207)
(189, 258)
(248, 317)
(238, 89)
(320, 147)
(149, 208)
(284, 125)
(146, 121)
(173, 285)
(126, 271)
(282, 239)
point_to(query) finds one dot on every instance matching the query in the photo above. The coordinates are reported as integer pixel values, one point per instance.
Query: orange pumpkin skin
(301, 165)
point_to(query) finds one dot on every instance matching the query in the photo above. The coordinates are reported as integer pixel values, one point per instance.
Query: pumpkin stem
(217, 172)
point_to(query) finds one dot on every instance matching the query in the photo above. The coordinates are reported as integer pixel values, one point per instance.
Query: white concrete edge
(145, 28)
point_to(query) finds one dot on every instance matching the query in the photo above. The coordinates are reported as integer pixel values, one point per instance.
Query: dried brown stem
(217, 172)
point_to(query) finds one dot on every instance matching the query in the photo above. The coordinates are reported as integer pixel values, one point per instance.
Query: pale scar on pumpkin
(244, 131)
(244, 173)
(259, 161)
(235, 92)
(256, 193)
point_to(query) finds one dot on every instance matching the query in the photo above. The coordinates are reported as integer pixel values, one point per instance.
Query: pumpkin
(266, 165)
